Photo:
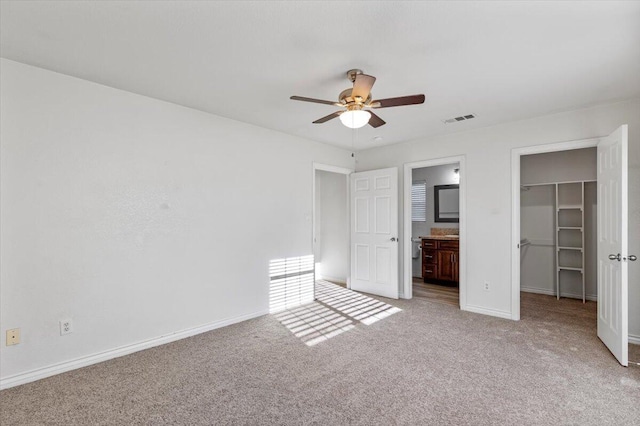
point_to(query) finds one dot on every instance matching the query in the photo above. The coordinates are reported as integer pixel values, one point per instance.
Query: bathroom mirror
(446, 203)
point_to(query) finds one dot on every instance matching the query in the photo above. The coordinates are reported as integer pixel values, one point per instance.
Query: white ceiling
(500, 60)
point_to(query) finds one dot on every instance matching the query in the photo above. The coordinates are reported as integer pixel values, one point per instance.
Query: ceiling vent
(461, 118)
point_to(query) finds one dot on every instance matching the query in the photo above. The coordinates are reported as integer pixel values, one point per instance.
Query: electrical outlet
(66, 326)
(486, 286)
(13, 336)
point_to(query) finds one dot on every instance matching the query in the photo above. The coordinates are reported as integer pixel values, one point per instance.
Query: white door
(613, 305)
(374, 232)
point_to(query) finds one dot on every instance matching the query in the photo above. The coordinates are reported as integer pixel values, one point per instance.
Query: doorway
(542, 192)
(331, 223)
(435, 201)
(570, 228)
(558, 245)
(427, 186)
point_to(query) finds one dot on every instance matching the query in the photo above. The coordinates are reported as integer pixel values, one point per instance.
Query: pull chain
(353, 136)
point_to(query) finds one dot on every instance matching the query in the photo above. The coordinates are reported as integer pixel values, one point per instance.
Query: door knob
(393, 238)
(633, 257)
(614, 257)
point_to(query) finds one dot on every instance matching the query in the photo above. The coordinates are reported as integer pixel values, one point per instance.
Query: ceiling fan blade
(362, 86)
(393, 102)
(376, 121)
(328, 117)
(317, 101)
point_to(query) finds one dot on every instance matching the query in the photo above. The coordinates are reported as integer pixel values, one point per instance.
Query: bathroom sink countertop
(441, 237)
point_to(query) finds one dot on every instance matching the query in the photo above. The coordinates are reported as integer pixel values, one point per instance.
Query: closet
(558, 224)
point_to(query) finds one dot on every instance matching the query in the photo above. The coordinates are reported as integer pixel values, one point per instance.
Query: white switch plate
(13, 336)
(66, 326)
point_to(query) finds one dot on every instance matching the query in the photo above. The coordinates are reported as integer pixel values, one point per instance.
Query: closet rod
(559, 183)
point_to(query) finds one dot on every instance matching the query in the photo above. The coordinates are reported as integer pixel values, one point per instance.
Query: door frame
(407, 287)
(346, 172)
(516, 153)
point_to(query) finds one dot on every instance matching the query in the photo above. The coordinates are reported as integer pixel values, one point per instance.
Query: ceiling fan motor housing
(353, 103)
(351, 74)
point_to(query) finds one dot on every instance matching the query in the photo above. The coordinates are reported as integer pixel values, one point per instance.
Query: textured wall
(137, 218)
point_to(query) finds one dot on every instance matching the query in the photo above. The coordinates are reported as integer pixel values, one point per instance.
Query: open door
(613, 304)
(374, 232)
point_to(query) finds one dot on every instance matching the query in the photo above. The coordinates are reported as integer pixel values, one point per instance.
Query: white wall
(436, 175)
(135, 217)
(488, 188)
(537, 221)
(332, 226)
(560, 166)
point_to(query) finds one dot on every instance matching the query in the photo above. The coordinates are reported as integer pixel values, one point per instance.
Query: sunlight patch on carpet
(363, 308)
(335, 311)
(314, 323)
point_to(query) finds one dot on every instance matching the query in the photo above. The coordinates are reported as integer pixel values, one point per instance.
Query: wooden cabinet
(440, 260)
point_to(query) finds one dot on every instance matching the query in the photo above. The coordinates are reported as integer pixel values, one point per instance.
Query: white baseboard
(634, 339)
(486, 311)
(333, 279)
(52, 370)
(536, 290)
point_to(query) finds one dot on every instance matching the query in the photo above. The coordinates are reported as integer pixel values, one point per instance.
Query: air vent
(461, 118)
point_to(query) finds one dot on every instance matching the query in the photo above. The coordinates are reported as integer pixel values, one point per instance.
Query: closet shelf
(569, 248)
(569, 268)
(570, 231)
(570, 207)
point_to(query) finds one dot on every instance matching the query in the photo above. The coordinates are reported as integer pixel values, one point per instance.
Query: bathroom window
(419, 201)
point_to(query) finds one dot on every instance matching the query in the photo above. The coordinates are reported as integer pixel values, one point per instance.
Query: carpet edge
(84, 361)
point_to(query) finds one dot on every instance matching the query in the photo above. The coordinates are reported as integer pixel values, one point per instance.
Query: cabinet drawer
(449, 245)
(430, 272)
(429, 256)
(429, 244)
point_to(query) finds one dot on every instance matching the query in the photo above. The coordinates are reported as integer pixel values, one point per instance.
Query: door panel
(382, 214)
(362, 262)
(613, 306)
(362, 215)
(374, 232)
(446, 267)
(383, 261)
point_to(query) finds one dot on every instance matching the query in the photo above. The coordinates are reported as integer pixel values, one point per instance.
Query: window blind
(419, 201)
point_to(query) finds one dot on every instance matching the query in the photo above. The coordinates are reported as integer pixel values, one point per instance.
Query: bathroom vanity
(440, 259)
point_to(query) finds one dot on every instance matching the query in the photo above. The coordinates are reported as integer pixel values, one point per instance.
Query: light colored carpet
(426, 364)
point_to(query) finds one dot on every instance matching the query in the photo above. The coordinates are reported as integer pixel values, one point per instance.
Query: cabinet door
(446, 265)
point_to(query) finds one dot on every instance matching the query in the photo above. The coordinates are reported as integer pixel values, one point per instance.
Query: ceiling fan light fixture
(358, 97)
(355, 119)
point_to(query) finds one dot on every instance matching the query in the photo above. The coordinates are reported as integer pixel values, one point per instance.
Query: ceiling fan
(357, 102)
